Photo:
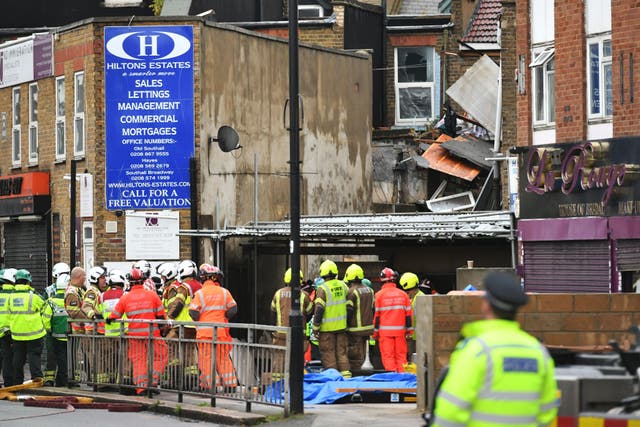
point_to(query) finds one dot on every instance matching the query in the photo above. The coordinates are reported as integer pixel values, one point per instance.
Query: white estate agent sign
(152, 235)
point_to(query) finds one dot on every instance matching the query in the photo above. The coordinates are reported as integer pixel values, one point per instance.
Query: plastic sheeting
(321, 387)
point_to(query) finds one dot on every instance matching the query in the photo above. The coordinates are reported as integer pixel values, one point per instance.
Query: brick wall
(555, 319)
(625, 15)
(509, 87)
(570, 75)
(523, 103)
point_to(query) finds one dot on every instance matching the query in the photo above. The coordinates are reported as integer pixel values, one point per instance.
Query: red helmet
(135, 276)
(387, 275)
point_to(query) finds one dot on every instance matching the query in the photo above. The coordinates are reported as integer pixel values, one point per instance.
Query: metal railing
(247, 369)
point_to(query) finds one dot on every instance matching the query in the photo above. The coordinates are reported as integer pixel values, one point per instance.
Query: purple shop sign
(42, 56)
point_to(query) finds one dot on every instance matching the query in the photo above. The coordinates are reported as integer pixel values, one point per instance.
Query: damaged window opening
(416, 72)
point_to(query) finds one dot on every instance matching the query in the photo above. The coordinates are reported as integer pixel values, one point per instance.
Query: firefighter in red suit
(392, 322)
(142, 304)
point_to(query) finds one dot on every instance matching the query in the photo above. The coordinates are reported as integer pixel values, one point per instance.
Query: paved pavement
(233, 412)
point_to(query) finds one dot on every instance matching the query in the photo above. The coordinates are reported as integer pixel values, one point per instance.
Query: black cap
(503, 291)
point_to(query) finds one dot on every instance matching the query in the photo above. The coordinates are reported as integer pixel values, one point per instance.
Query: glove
(98, 316)
(108, 320)
(164, 330)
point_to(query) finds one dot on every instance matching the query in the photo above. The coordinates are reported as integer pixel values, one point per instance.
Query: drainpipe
(498, 132)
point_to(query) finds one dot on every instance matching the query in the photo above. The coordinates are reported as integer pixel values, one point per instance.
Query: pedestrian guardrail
(249, 369)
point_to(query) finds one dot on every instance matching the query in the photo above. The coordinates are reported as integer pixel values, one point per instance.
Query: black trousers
(30, 351)
(59, 350)
(6, 348)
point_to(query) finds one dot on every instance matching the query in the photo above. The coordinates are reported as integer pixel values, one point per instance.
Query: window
(543, 80)
(416, 74)
(542, 21)
(600, 83)
(15, 132)
(310, 11)
(60, 119)
(33, 123)
(78, 118)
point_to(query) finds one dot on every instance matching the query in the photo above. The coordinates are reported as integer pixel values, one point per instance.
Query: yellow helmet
(353, 272)
(287, 276)
(409, 281)
(328, 268)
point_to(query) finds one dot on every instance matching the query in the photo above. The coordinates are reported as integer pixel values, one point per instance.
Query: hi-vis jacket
(361, 319)
(139, 304)
(73, 299)
(26, 309)
(499, 375)
(5, 315)
(332, 297)
(393, 312)
(212, 302)
(281, 305)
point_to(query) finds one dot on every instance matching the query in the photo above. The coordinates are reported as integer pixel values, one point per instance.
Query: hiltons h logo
(154, 45)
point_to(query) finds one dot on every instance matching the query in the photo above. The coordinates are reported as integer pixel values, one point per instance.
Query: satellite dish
(227, 139)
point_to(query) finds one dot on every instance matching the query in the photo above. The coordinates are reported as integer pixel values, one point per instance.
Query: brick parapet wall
(555, 319)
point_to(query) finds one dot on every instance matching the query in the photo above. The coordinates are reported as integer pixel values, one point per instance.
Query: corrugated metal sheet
(440, 160)
(477, 92)
(567, 266)
(26, 247)
(628, 254)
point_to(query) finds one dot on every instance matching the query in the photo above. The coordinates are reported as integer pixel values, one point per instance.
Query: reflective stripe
(504, 419)
(144, 310)
(392, 307)
(511, 396)
(392, 328)
(550, 405)
(27, 334)
(361, 328)
(455, 400)
(446, 423)
(213, 308)
(334, 319)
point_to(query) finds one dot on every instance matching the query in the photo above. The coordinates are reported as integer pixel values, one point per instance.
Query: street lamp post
(296, 364)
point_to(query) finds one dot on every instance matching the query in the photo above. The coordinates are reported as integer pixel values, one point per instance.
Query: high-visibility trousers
(225, 372)
(393, 352)
(138, 354)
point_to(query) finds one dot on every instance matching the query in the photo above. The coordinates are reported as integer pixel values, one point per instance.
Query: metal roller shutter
(27, 246)
(567, 266)
(628, 254)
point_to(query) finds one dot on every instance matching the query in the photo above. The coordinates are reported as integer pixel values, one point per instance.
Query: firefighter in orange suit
(392, 322)
(213, 303)
(142, 304)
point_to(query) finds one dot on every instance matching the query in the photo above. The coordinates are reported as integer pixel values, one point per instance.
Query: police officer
(7, 278)
(27, 327)
(499, 374)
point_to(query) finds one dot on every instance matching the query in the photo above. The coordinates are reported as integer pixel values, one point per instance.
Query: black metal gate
(27, 246)
(567, 266)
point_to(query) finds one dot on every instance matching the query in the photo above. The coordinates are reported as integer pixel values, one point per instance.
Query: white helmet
(62, 281)
(116, 278)
(187, 268)
(95, 273)
(143, 266)
(60, 268)
(168, 270)
(10, 275)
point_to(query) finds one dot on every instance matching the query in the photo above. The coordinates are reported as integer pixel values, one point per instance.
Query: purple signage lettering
(576, 172)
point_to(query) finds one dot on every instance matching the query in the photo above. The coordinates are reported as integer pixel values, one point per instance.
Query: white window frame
(319, 10)
(33, 124)
(542, 59)
(61, 120)
(398, 86)
(78, 117)
(603, 63)
(16, 130)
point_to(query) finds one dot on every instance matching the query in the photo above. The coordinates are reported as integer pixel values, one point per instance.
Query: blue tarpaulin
(321, 387)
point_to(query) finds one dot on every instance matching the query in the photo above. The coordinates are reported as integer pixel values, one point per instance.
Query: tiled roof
(483, 27)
